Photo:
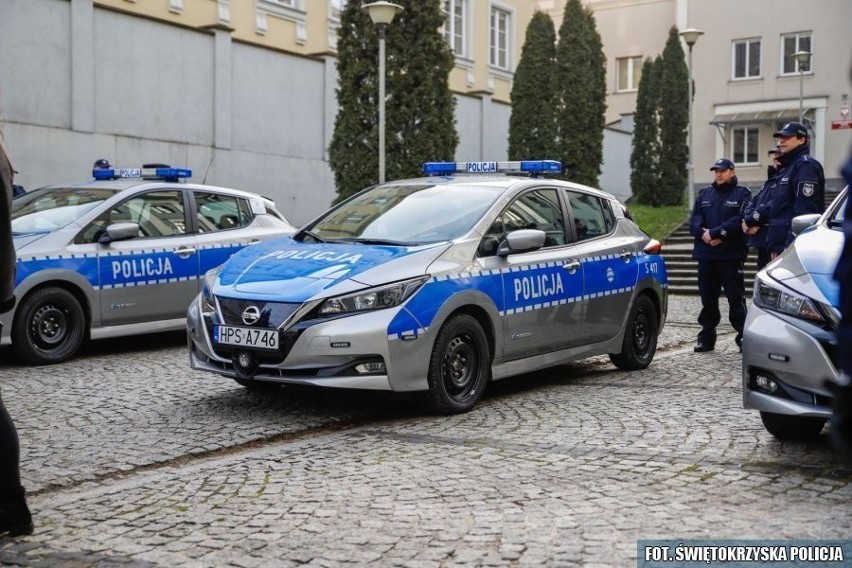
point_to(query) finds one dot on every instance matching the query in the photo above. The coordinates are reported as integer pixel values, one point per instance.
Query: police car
(790, 336)
(438, 284)
(121, 255)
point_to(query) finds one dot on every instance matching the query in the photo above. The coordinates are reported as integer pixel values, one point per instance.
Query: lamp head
(802, 57)
(382, 13)
(690, 36)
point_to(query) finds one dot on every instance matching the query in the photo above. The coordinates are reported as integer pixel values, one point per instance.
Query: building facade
(747, 81)
(241, 91)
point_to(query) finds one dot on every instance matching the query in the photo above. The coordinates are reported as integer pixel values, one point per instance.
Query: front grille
(272, 314)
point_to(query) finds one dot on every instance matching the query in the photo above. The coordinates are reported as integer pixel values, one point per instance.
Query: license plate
(245, 337)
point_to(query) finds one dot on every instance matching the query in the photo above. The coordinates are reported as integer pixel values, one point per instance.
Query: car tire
(786, 427)
(49, 327)
(640, 337)
(460, 366)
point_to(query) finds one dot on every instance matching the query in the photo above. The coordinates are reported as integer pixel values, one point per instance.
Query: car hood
(286, 270)
(807, 266)
(21, 240)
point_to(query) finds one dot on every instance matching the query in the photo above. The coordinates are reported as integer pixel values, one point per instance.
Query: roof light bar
(168, 174)
(523, 166)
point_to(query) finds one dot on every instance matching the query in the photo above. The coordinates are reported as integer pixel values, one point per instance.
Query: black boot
(15, 518)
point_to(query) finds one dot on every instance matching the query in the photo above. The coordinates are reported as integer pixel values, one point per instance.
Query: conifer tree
(581, 81)
(645, 156)
(532, 125)
(674, 121)
(419, 106)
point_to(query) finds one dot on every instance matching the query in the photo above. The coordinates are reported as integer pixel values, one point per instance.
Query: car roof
(507, 182)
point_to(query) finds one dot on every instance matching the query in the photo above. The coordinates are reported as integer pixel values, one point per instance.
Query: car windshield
(407, 214)
(48, 209)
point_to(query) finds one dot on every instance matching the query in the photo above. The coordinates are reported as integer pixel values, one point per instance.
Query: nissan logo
(250, 315)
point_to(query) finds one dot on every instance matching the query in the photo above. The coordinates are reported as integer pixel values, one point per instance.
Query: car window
(217, 212)
(591, 217)
(158, 213)
(538, 209)
(47, 209)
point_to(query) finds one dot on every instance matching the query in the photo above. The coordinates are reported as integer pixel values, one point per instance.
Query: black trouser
(10, 453)
(763, 257)
(713, 275)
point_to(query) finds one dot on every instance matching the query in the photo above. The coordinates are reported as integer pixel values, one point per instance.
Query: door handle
(626, 256)
(184, 252)
(571, 266)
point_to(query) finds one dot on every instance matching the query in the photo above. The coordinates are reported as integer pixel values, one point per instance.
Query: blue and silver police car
(121, 255)
(790, 336)
(438, 284)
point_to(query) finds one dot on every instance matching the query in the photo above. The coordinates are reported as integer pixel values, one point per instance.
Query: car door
(225, 224)
(540, 288)
(154, 276)
(610, 266)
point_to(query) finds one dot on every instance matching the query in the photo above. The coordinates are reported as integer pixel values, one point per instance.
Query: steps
(683, 270)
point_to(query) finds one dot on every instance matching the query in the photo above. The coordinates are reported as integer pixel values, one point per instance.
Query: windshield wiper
(367, 241)
(314, 236)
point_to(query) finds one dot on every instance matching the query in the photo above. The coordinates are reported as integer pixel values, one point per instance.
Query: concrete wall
(78, 82)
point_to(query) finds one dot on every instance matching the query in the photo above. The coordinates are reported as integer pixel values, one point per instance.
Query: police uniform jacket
(800, 190)
(8, 257)
(720, 209)
(756, 213)
(843, 275)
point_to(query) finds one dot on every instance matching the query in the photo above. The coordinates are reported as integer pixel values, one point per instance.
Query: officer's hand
(745, 227)
(753, 230)
(7, 305)
(715, 242)
(706, 236)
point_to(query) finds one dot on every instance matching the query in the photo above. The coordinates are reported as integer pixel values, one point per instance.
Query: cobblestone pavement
(133, 459)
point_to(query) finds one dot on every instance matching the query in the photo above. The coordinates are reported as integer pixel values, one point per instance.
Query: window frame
(634, 73)
(748, 44)
(452, 34)
(747, 130)
(798, 36)
(500, 41)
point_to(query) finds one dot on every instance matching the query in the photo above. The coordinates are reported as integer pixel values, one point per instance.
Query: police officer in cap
(720, 249)
(756, 217)
(800, 190)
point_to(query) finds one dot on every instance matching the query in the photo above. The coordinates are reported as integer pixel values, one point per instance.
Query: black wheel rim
(50, 326)
(641, 333)
(460, 367)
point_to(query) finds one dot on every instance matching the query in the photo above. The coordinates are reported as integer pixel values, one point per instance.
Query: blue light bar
(524, 166)
(167, 174)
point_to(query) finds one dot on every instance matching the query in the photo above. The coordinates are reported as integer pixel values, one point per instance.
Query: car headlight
(387, 296)
(208, 304)
(776, 299)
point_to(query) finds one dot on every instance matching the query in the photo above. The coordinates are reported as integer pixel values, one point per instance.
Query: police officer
(720, 249)
(15, 517)
(800, 190)
(756, 216)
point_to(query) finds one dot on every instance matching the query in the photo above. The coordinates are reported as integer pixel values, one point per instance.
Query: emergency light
(524, 166)
(166, 174)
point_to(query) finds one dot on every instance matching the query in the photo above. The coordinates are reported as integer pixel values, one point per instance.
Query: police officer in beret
(720, 249)
(756, 216)
(801, 186)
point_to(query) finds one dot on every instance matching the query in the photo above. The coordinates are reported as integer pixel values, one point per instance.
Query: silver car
(438, 284)
(121, 255)
(790, 336)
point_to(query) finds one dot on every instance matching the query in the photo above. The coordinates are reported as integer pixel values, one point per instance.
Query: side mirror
(522, 240)
(119, 232)
(802, 222)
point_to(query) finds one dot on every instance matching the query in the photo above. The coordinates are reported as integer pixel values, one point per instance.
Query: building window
(500, 34)
(790, 44)
(745, 143)
(455, 27)
(629, 71)
(746, 58)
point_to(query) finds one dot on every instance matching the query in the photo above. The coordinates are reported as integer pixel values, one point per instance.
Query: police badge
(807, 189)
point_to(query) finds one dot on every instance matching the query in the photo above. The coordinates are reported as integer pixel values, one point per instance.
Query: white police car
(121, 255)
(438, 284)
(790, 336)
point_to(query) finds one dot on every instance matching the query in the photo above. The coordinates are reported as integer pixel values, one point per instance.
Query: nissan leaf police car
(438, 284)
(121, 255)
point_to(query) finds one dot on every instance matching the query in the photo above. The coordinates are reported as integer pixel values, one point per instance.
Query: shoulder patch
(807, 188)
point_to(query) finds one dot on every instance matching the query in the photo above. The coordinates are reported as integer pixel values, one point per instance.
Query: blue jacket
(720, 209)
(800, 190)
(843, 274)
(756, 213)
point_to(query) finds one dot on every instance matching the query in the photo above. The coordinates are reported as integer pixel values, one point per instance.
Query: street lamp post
(690, 36)
(802, 59)
(382, 14)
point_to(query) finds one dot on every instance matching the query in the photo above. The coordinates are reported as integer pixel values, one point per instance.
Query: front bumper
(795, 356)
(325, 353)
